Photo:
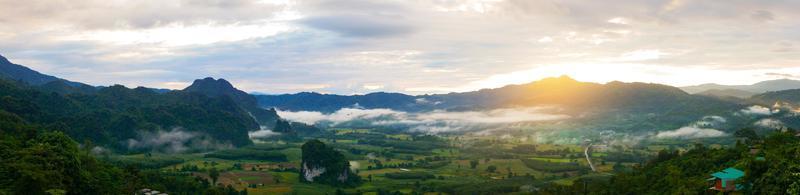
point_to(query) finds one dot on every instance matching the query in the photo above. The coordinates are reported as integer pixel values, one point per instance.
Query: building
(725, 180)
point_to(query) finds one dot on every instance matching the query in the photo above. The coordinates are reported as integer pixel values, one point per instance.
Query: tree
(473, 164)
(748, 133)
(794, 188)
(618, 167)
(214, 174)
(491, 168)
(283, 126)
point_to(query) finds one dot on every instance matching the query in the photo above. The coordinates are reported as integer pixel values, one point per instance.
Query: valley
(409, 163)
(396, 97)
(553, 136)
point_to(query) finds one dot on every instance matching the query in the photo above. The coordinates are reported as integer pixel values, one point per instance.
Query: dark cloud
(784, 75)
(762, 16)
(360, 26)
(358, 18)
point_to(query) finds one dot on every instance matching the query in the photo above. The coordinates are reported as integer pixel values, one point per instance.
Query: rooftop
(729, 173)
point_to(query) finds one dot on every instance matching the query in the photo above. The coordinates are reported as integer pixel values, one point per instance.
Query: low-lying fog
(438, 121)
(484, 122)
(497, 122)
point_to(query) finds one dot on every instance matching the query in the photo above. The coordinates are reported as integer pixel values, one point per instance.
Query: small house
(725, 180)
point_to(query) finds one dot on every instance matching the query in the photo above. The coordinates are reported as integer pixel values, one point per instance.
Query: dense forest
(37, 160)
(115, 114)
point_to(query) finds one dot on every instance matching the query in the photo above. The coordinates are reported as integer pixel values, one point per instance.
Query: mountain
(791, 97)
(563, 91)
(19, 73)
(209, 112)
(760, 87)
(615, 105)
(323, 164)
(129, 119)
(222, 88)
(737, 93)
(331, 103)
(24, 74)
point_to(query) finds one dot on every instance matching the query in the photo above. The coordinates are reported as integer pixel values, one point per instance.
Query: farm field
(407, 163)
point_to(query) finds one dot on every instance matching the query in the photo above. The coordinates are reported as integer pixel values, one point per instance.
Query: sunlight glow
(633, 72)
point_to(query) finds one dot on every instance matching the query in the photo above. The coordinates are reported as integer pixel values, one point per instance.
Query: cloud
(507, 115)
(769, 123)
(336, 46)
(757, 110)
(702, 128)
(710, 121)
(762, 16)
(373, 86)
(618, 20)
(690, 133)
(431, 122)
(342, 115)
(174, 141)
(424, 101)
(98, 150)
(358, 18)
(99, 14)
(639, 55)
(359, 26)
(545, 39)
(262, 133)
(783, 75)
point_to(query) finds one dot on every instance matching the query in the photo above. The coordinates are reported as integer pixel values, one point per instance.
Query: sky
(407, 46)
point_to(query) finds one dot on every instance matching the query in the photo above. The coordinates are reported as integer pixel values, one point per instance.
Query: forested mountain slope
(115, 114)
(221, 88)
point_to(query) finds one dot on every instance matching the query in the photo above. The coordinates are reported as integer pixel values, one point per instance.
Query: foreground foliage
(671, 172)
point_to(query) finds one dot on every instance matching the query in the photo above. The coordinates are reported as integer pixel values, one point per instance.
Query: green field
(439, 164)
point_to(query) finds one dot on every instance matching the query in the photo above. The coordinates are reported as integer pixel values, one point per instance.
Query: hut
(725, 180)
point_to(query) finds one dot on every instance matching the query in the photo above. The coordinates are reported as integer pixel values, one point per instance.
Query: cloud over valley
(431, 122)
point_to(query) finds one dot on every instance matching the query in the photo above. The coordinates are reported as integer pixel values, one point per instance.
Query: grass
(399, 136)
(200, 163)
(346, 131)
(292, 154)
(562, 160)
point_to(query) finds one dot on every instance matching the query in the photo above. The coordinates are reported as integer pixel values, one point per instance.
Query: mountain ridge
(222, 88)
(16, 72)
(556, 90)
(759, 87)
(723, 93)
